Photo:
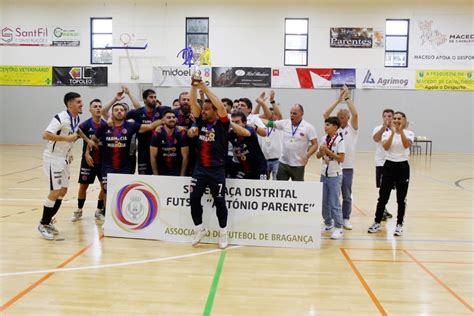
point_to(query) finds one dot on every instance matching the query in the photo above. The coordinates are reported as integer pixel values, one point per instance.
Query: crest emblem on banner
(136, 206)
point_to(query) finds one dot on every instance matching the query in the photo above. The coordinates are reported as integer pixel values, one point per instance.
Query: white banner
(385, 78)
(178, 76)
(442, 40)
(39, 36)
(261, 213)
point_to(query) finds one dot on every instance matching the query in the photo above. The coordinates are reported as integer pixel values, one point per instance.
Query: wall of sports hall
(241, 33)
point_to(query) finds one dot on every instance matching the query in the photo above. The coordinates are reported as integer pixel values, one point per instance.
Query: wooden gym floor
(428, 271)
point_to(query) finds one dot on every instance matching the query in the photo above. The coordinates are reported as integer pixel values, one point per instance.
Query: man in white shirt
(61, 134)
(350, 131)
(380, 154)
(271, 144)
(245, 105)
(299, 142)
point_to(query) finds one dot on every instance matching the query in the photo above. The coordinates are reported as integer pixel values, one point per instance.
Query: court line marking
(402, 240)
(215, 283)
(408, 261)
(363, 282)
(30, 288)
(457, 183)
(454, 294)
(28, 180)
(359, 209)
(9, 174)
(453, 186)
(113, 265)
(401, 249)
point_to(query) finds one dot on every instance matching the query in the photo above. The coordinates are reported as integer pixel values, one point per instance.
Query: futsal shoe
(53, 228)
(223, 240)
(398, 230)
(374, 228)
(45, 232)
(327, 228)
(337, 234)
(99, 215)
(77, 215)
(200, 232)
(347, 224)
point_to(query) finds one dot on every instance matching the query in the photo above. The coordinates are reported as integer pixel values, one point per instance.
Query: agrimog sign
(385, 78)
(443, 40)
(261, 213)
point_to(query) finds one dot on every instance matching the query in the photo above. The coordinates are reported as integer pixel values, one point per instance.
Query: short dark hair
(236, 100)
(147, 92)
(168, 111)
(227, 101)
(122, 104)
(334, 120)
(401, 113)
(95, 100)
(239, 114)
(210, 102)
(247, 102)
(387, 111)
(175, 100)
(70, 96)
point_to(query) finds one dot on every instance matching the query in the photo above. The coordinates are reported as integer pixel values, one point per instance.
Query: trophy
(196, 73)
(194, 57)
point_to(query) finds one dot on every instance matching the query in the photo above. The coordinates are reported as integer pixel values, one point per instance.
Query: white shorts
(57, 173)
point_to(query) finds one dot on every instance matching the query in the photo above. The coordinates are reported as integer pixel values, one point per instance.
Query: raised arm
(352, 109)
(195, 108)
(266, 111)
(105, 110)
(135, 102)
(342, 96)
(221, 111)
(276, 107)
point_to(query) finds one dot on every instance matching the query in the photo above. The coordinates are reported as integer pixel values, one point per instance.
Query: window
(296, 42)
(101, 36)
(197, 32)
(396, 43)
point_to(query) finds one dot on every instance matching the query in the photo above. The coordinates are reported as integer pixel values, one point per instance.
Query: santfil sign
(261, 213)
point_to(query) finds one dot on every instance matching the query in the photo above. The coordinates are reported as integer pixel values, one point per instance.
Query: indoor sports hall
(415, 57)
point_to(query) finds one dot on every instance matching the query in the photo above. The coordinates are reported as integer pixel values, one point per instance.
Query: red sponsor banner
(311, 78)
(301, 78)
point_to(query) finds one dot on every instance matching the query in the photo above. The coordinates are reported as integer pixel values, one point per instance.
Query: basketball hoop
(128, 41)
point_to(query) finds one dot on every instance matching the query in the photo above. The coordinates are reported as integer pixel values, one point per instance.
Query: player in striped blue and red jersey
(90, 169)
(115, 142)
(253, 164)
(169, 149)
(212, 132)
(146, 115)
(185, 119)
